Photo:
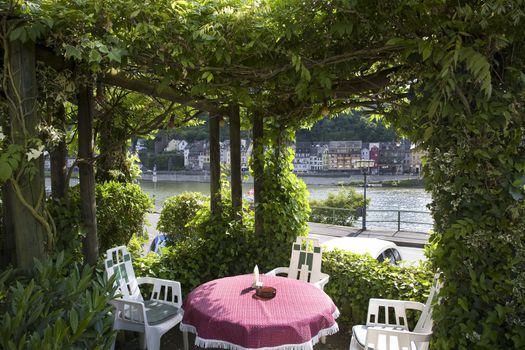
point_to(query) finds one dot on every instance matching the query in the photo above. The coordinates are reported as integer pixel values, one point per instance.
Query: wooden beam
(88, 212)
(235, 161)
(215, 164)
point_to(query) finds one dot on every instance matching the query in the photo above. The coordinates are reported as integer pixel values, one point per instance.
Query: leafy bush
(121, 212)
(355, 278)
(60, 304)
(346, 202)
(177, 213)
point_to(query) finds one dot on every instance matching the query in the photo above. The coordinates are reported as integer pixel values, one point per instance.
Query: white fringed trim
(212, 343)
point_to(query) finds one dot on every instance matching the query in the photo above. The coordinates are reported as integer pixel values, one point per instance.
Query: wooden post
(235, 156)
(215, 165)
(258, 170)
(26, 194)
(58, 157)
(7, 242)
(87, 174)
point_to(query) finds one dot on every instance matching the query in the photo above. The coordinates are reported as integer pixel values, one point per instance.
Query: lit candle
(255, 275)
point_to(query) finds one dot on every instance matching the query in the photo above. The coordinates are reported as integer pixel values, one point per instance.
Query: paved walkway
(324, 232)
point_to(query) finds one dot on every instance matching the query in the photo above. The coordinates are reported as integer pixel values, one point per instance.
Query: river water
(381, 198)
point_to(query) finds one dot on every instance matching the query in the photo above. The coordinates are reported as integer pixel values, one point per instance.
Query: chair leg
(354, 345)
(153, 343)
(185, 340)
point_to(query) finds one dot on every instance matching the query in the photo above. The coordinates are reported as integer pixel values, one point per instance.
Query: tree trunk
(26, 194)
(87, 174)
(258, 170)
(7, 239)
(58, 157)
(215, 165)
(235, 155)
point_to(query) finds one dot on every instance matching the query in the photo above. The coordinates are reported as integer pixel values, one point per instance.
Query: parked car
(377, 248)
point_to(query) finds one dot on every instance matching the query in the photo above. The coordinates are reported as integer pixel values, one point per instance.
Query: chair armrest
(399, 306)
(278, 271)
(129, 310)
(404, 337)
(165, 291)
(322, 282)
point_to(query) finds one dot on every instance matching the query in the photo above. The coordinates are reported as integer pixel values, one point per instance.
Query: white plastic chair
(305, 263)
(152, 317)
(392, 333)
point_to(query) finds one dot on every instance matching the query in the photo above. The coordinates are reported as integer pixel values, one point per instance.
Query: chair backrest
(305, 261)
(424, 324)
(118, 263)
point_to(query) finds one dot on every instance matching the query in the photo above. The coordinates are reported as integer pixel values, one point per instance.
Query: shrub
(346, 201)
(355, 278)
(59, 304)
(177, 213)
(121, 212)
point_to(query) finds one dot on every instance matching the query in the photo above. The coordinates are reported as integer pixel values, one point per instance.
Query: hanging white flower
(34, 153)
(2, 135)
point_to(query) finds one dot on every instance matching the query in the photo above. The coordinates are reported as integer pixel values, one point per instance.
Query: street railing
(402, 220)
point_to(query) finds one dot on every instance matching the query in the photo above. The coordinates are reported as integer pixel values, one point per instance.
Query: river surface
(381, 198)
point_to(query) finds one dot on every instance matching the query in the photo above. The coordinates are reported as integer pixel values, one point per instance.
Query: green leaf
(5, 172)
(71, 51)
(73, 320)
(94, 56)
(17, 34)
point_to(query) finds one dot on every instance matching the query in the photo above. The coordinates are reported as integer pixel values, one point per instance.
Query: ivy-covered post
(215, 165)
(58, 155)
(235, 156)
(258, 171)
(87, 173)
(26, 189)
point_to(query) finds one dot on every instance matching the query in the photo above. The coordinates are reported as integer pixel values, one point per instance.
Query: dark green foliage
(467, 111)
(347, 127)
(60, 304)
(121, 211)
(339, 208)
(286, 209)
(354, 279)
(66, 214)
(177, 213)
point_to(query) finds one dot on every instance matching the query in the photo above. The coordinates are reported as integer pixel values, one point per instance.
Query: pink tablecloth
(224, 313)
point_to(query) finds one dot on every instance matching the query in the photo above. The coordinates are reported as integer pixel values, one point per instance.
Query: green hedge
(60, 304)
(355, 278)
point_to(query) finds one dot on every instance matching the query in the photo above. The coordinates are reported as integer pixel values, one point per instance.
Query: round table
(225, 313)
